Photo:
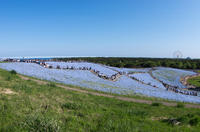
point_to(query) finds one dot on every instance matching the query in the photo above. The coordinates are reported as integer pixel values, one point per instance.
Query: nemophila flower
(147, 79)
(171, 76)
(130, 70)
(77, 65)
(124, 85)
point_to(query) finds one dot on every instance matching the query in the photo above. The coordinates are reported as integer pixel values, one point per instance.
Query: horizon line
(27, 57)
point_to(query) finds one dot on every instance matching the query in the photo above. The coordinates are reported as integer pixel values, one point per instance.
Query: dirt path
(110, 96)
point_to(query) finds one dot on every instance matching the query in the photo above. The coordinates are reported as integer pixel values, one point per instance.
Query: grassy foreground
(28, 106)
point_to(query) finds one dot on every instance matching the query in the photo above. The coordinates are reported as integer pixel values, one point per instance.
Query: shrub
(194, 121)
(8, 78)
(190, 119)
(13, 72)
(184, 119)
(51, 84)
(180, 105)
(156, 104)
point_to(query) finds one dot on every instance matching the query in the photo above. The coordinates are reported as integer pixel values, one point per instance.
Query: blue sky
(134, 28)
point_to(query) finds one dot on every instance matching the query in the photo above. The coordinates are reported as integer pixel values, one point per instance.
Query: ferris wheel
(177, 54)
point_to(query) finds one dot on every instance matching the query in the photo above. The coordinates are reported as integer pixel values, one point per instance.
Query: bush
(180, 105)
(13, 72)
(194, 121)
(51, 84)
(190, 119)
(8, 78)
(156, 104)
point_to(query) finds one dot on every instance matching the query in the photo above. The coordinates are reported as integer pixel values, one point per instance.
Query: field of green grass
(194, 81)
(28, 106)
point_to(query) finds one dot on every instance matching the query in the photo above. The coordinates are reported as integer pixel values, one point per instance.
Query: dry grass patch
(7, 91)
(158, 118)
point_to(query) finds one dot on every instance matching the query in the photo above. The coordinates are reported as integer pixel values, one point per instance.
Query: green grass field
(28, 106)
(195, 81)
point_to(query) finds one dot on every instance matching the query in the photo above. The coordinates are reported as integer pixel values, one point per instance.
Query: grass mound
(38, 107)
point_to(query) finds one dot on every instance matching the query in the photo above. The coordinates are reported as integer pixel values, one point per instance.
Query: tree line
(139, 62)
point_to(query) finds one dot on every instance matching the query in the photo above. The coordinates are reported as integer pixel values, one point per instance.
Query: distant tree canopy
(140, 62)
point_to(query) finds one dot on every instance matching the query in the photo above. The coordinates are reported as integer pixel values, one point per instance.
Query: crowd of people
(101, 75)
(177, 90)
(143, 82)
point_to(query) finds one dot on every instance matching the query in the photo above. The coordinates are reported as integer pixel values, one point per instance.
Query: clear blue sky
(134, 28)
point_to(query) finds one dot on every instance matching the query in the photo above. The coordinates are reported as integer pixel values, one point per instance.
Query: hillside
(26, 105)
